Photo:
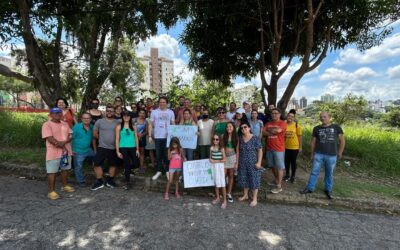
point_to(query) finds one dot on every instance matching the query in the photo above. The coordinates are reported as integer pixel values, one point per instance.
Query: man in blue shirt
(82, 140)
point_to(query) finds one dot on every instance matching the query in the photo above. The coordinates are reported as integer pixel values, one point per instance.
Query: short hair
(292, 111)
(163, 98)
(187, 110)
(275, 109)
(118, 97)
(109, 106)
(64, 100)
(86, 113)
(232, 103)
(96, 99)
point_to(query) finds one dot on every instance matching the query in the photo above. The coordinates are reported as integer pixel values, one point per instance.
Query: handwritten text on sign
(186, 134)
(198, 173)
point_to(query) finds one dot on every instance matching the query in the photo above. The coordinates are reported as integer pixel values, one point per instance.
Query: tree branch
(6, 71)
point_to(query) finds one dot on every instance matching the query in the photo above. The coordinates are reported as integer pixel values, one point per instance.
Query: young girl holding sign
(217, 155)
(176, 158)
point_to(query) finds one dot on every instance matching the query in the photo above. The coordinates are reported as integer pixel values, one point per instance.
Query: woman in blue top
(141, 125)
(126, 139)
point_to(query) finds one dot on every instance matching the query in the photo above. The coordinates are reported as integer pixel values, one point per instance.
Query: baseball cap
(55, 111)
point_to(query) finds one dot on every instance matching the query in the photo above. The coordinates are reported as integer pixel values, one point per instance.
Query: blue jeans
(161, 155)
(189, 154)
(329, 161)
(79, 158)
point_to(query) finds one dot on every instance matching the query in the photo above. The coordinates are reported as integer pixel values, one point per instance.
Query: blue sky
(374, 73)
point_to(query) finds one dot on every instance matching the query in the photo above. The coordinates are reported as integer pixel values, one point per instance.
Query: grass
(21, 129)
(368, 148)
(29, 155)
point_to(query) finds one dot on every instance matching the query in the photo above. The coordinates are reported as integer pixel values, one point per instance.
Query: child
(217, 155)
(176, 158)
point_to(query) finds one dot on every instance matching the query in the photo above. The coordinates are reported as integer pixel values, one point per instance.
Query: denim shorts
(276, 159)
(53, 166)
(174, 170)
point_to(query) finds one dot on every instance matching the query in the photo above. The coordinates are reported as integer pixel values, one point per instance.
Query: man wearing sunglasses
(104, 130)
(275, 133)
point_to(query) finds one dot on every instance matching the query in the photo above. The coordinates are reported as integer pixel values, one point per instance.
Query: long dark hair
(175, 140)
(64, 100)
(234, 138)
(243, 119)
(123, 122)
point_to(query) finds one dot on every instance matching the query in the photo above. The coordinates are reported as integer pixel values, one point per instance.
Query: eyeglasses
(243, 127)
(110, 111)
(222, 112)
(133, 107)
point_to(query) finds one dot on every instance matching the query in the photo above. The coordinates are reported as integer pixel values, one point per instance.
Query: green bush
(368, 147)
(21, 129)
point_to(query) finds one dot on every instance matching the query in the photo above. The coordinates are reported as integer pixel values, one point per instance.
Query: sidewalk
(289, 195)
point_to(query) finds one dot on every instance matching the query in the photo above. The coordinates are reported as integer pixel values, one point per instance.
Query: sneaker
(177, 195)
(53, 196)
(272, 183)
(127, 186)
(111, 183)
(82, 184)
(276, 190)
(67, 189)
(166, 196)
(230, 198)
(97, 185)
(328, 194)
(292, 179)
(286, 178)
(156, 176)
(306, 191)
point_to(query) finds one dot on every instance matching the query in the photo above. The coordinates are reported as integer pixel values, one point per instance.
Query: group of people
(233, 142)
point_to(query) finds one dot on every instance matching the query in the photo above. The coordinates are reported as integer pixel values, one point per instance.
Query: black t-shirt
(327, 139)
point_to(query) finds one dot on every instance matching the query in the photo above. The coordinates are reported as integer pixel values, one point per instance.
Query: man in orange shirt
(275, 133)
(58, 137)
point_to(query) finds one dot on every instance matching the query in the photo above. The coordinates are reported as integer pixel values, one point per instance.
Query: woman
(141, 125)
(240, 117)
(293, 145)
(94, 111)
(230, 140)
(250, 157)
(68, 115)
(150, 146)
(118, 112)
(220, 123)
(256, 124)
(126, 139)
(188, 121)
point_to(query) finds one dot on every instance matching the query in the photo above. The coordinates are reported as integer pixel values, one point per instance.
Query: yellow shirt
(292, 136)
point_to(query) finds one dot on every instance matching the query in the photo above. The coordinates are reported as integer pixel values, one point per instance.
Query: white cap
(240, 110)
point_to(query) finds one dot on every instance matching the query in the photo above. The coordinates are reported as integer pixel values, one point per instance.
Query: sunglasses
(215, 139)
(243, 127)
(110, 111)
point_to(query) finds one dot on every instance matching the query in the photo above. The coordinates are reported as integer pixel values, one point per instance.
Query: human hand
(138, 153)
(258, 165)
(119, 155)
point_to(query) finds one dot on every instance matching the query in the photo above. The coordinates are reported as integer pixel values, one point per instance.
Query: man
(82, 140)
(232, 112)
(275, 133)
(198, 110)
(180, 107)
(247, 109)
(161, 119)
(325, 151)
(149, 104)
(260, 116)
(58, 137)
(118, 101)
(134, 110)
(186, 105)
(205, 126)
(104, 130)
(268, 113)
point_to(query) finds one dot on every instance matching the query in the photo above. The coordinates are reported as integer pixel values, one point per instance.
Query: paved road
(119, 219)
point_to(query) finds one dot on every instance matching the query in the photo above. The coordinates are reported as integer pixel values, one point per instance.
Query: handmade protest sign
(198, 173)
(186, 134)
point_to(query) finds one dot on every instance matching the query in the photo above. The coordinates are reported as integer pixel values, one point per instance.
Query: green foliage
(392, 118)
(14, 87)
(21, 129)
(200, 91)
(368, 147)
(350, 109)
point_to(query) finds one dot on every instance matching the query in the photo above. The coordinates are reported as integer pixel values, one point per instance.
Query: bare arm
(96, 133)
(300, 143)
(136, 140)
(56, 143)
(259, 158)
(223, 156)
(94, 145)
(342, 143)
(117, 130)
(150, 130)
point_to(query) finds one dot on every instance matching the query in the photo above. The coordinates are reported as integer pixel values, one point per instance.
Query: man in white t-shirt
(232, 111)
(205, 126)
(161, 119)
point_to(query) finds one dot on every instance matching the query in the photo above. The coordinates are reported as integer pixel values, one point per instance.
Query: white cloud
(335, 74)
(168, 47)
(394, 72)
(389, 48)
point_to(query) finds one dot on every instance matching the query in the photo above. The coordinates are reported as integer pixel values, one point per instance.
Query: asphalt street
(119, 219)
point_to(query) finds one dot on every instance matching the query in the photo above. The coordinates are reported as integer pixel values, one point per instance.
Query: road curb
(144, 183)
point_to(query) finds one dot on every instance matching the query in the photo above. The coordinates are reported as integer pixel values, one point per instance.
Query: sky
(373, 73)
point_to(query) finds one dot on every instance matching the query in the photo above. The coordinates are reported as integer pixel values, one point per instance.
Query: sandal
(215, 201)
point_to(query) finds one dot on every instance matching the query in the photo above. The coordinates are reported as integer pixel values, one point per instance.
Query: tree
(267, 37)
(350, 109)
(15, 87)
(392, 118)
(212, 94)
(87, 28)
